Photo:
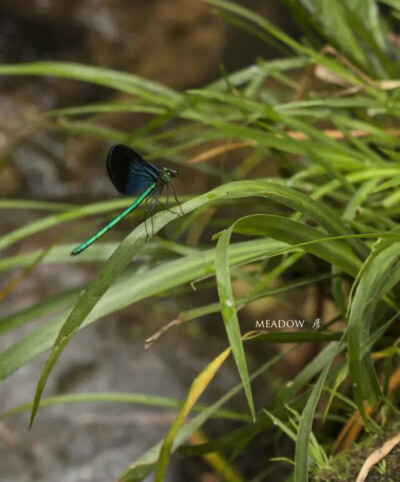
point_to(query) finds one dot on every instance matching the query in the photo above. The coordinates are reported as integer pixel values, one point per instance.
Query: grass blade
(229, 314)
(198, 386)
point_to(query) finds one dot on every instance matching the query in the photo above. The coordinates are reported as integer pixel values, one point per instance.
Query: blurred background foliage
(283, 122)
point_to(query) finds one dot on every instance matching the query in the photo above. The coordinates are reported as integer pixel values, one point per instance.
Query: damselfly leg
(151, 203)
(176, 199)
(166, 207)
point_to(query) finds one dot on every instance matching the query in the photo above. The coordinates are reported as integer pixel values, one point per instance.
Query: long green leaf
(123, 397)
(299, 235)
(116, 265)
(378, 278)
(305, 426)
(122, 81)
(229, 314)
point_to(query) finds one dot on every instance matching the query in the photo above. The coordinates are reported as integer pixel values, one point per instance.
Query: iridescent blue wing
(128, 171)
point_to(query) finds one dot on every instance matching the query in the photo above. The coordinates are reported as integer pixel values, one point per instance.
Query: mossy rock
(346, 466)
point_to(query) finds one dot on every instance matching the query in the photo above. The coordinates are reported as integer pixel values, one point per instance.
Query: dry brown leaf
(377, 456)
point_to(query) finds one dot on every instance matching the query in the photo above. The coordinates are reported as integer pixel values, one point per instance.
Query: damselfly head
(171, 172)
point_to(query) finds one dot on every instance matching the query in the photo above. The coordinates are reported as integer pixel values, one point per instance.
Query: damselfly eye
(172, 172)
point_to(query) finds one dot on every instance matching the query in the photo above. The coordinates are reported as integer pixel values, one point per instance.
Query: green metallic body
(114, 221)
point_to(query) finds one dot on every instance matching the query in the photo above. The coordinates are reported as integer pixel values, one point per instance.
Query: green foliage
(331, 202)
